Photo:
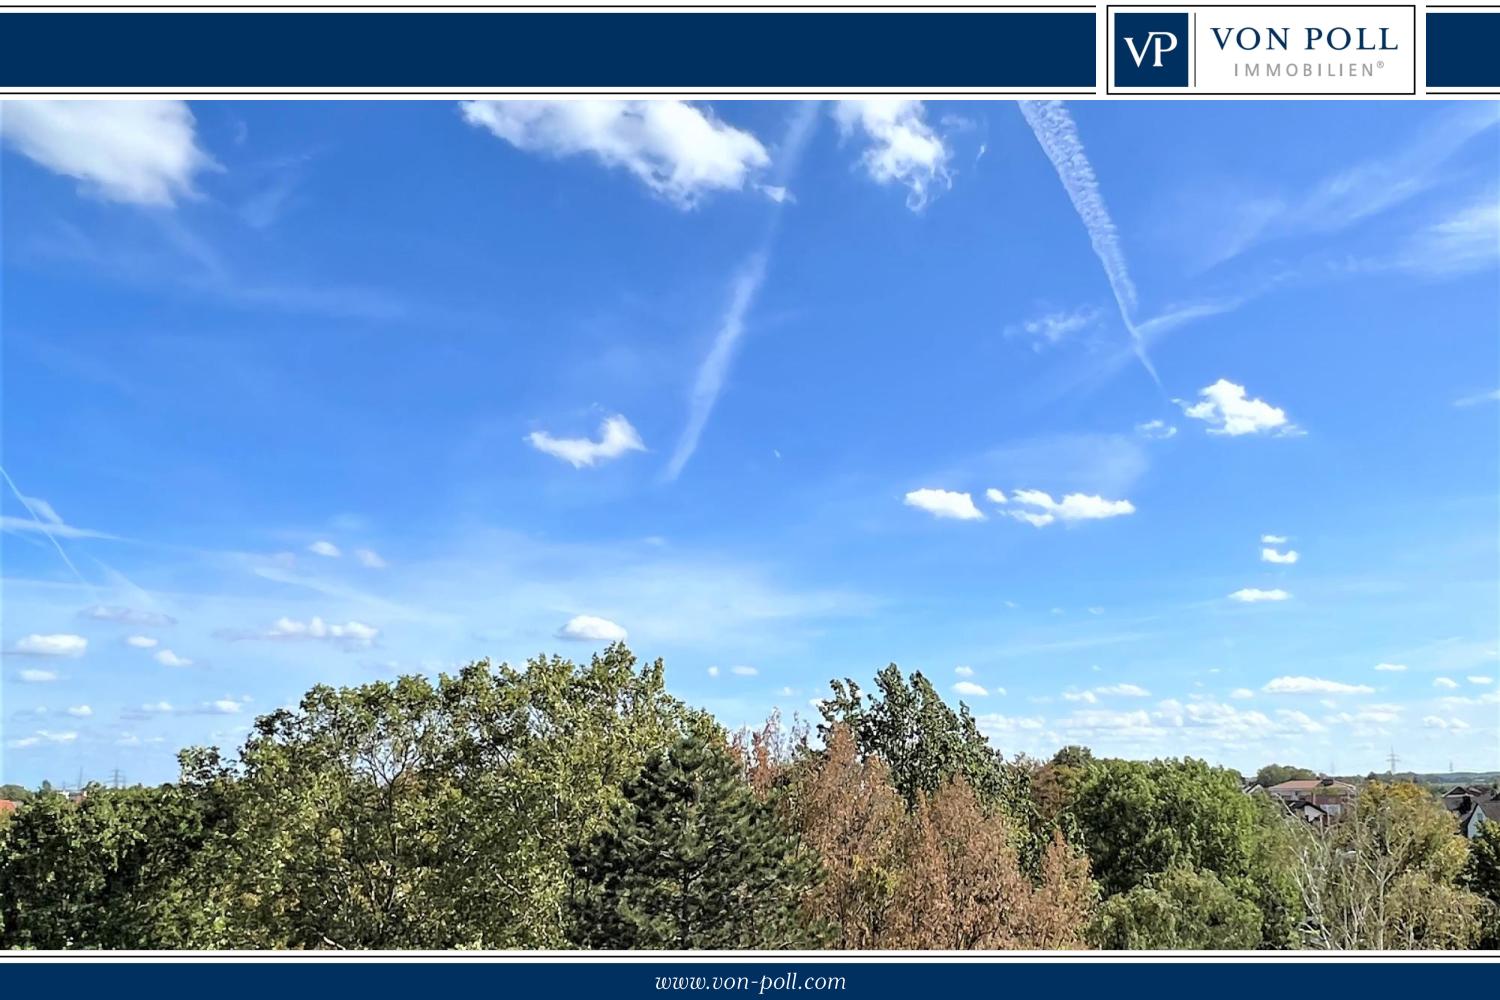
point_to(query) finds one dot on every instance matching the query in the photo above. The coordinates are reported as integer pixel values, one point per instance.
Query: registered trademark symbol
(1380, 64)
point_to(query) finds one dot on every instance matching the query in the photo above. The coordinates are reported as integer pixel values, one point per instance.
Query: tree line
(564, 805)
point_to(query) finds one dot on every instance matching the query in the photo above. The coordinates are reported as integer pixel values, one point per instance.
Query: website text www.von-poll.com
(786, 982)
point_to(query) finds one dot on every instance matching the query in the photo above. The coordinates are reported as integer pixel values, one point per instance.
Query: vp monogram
(1157, 44)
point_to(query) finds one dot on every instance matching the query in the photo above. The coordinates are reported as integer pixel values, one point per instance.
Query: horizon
(1191, 452)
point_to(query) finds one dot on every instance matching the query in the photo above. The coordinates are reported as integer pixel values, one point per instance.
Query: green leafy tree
(1482, 876)
(15, 793)
(924, 743)
(411, 815)
(1385, 876)
(692, 858)
(1142, 819)
(1180, 908)
(113, 870)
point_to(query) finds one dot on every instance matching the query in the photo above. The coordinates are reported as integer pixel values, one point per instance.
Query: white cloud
(1073, 507)
(1254, 595)
(138, 152)
(1437, 722)
(57, 644)
(369, 559)
(1088, 697)
(1299, 720)
(1053, 328)
(1227, 410)
(40, 737)
(1313, 685)
(32, 676)
(903, 148)
(1446, 683)
(964, 671)
(1124, 690)
(994, 496)
(1390, 668)
(970, 689)
(352, 633)
(713, 671)
(324, 548)
(945, 503)
(1479, 397)
(1480, 680)
(167, 658)
(1158, 430)
(616, 437)
(1242, 694)
(678, 150)
(224, 706)
(588, 628)
(743, 671)
(1280, 558)
(127, 616)
(80, 711)
(142, 642)
(1273, 539)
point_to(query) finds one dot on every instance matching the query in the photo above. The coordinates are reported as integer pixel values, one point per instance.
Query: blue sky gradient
(310, 392)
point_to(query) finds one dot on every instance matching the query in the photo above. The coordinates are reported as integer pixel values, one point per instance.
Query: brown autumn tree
(962, 885)
(848, 811)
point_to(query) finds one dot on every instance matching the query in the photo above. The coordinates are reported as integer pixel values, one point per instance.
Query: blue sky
(313, 392)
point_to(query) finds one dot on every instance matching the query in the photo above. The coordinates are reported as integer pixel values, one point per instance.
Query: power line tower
(1393, 760)
(116, 778)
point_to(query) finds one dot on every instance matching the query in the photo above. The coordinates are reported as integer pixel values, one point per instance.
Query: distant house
(7, 806)
(1310, 811)
(1472, 807)
(1317, 790)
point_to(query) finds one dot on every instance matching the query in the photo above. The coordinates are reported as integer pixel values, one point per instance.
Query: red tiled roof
(6, 806)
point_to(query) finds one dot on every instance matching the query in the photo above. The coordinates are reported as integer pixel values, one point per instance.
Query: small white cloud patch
(616, 437)
(1391, 668)
(589, 628)
(167, 658)
(1286, 558)
(326, 549)
(1255, 595)
(1313, 685)
(970, 689)
(1228, 410)
(1072, 507)
(903, 148)
(55, 644)
(945, 503)
(680, 151)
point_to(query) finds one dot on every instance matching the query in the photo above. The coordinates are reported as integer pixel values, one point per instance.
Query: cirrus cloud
(616, 437)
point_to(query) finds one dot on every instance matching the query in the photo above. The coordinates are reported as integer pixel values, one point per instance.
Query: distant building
(1321, 791)
(1471, 806)
(7, 806)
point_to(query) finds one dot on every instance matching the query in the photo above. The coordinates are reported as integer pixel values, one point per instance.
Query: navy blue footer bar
(759, 978)
(969, 50)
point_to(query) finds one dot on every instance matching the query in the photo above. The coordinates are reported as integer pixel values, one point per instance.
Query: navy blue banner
(476, 51)
(1463, 49)
(750, 980)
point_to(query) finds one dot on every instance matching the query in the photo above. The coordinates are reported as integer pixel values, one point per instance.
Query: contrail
(1057, 133)
(41, 525)
(743, 290)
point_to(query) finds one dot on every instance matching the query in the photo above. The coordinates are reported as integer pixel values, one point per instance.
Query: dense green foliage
(1275, 774)
(691, 858)
(560, 805)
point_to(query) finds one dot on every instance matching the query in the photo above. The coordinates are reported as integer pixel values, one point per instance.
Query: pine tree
(691, 859)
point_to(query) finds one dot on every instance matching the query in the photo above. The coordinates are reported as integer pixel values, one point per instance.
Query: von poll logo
(1151, 50)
